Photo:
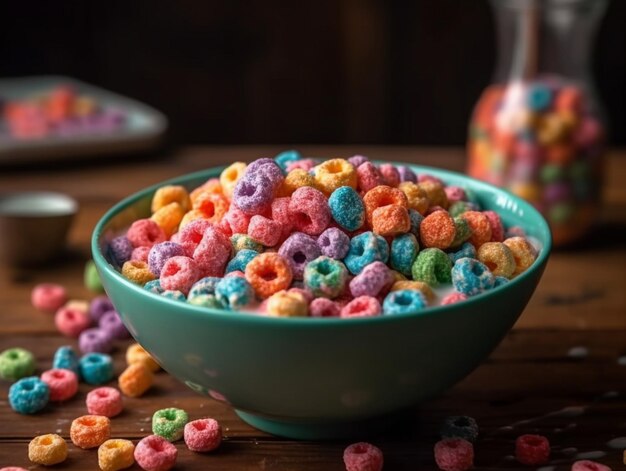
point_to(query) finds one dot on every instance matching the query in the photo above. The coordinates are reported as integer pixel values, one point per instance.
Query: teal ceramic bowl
(314, 378)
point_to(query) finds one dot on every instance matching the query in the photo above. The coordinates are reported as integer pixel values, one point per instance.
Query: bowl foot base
(322, 431)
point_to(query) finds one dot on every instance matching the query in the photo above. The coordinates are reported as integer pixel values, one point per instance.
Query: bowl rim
(260, 319)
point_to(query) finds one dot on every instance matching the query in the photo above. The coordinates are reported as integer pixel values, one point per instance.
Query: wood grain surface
(561, 371)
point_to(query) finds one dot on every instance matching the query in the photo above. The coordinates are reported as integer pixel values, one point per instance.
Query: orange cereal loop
(212, 205)
(335, 173)
(531, 192)
(550, 129)
(211, 186)
(90, 431)
(230, 176)
(137, 354)
(438, 230)
(268, 273)
(523, 253)
(416, 197)
(391, 220)
(135, 380)
(287, 304)
(397, 276)
(168, 218)
(137, 271)
(498, 258)
(435, 193)
(382, 195)
(191, 216)
(560, 153)
(171, 194)
(295, 179)
(479, 225)
(420, 286)
(47, 449)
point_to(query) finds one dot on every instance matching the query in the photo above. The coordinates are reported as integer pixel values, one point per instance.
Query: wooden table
(560, 372)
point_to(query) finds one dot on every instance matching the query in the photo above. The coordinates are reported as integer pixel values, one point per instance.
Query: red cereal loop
(191, 235)
(237, 220)
(453, 298)
(203, 435)
(363, 456)
(497, 228)
(90, 431)
(179, 274)
(585, 465)
(454, 454)
(362, 306)
(213, 206)
(281, 214)
(437, 230)
(155, 453)
(145, 233)
(62, 383)
(71, 321)
(268, 273)
(213, 252)
(140, 254)
(309, 211)
(480, 226)
(380, 196)
(264, 230)
(391, 220)
(104, 401)
(532, 450)
(48, 297)
(390, 174)
(368, 177)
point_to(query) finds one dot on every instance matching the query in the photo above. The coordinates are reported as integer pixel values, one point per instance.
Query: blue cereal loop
(539, 97)
(174, 295)
(471, 277)
(203, 286)
(28, 395)
(500, 281)
(403, 253)
(234, 292)
(346, 208)
(96, 368)
(241, 260)
(404, 301)
(467, 250)
(460, 426)
(416, 221)
(285, 158)
(65, 357)
(153, 286)
(365, 249)
(325, 277)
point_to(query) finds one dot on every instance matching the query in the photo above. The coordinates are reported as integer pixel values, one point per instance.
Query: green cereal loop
(458, 208)
(169, 423)
(244, 241)
(206, 300)
(432, 266)
(91, 278)
(550, 173)
(16, 363)
(462, 231)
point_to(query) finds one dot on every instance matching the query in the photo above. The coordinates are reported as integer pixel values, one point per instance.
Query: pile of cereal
(341, 238)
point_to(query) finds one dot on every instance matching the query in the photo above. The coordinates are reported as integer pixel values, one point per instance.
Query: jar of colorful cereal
(539, 130)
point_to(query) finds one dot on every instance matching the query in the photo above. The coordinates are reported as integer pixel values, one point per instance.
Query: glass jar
(539, 129)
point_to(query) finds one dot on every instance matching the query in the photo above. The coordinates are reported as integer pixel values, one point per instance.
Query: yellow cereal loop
(116, 454)
(287, 304)
(397, 276)
(230, 176)
(333, 174)
(523, 253)
(295, 179)
(498, 258)
(171, 194)
(137, 354)
(420, 286)
(168, 217)
(47, 449)
(527, 190)
(137, 271)
(550, 129)
(435, 192)
(417, 198)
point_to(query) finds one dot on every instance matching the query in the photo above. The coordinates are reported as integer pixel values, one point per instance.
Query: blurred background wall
(324, 71)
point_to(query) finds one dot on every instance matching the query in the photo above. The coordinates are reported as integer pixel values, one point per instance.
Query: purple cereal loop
(160, 253)
(406, 174)
(324, 307)
(555, 192)
(120, 250)
(99, 306)
(357, 160)
(268, 168)
(372, 281)
(299, 249)
(253, 193)
(334, 243)
(94, 340)
(112, 324)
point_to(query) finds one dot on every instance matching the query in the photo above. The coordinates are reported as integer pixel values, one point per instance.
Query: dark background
(325, 71)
